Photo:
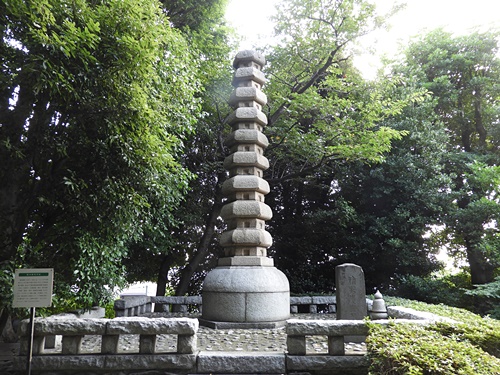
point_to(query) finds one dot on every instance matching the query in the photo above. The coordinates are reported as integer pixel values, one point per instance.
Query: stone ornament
(379, 310)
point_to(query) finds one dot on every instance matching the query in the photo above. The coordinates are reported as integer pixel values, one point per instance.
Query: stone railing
(133, 305)
(337, 333)
(310, 304)
(109, 349)
(182, 304)
(335, 330)
(109, 332)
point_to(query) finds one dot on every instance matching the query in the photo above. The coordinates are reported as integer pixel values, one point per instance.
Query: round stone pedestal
(246, 297)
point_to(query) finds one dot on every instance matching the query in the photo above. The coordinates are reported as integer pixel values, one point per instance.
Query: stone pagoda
(245, 289)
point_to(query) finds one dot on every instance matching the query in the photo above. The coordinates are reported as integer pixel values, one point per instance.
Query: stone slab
(249, 136)
(177, 300)
(246, 159)
(246, 261)
(407, 313)
(248, 74)
(136, 325)
(69, 326)
(109, 362)
(245, 183)
(236, 363)
(246, 237)
(350, 292)
(242, 94)
(128, 301)
(300, 300)
(249, 55)
(350, 295)
(241, 325)
(247, 114)
(324, 300)
(355, 365)
(246, 209)
(301, 327)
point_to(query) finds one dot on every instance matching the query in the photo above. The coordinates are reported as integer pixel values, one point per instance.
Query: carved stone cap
(248, 74)
(243, 94)
(249, 56)
(245, 136)
(247, 114)
(245, 183)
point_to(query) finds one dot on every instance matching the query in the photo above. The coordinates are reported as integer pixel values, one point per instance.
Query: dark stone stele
(351, 295)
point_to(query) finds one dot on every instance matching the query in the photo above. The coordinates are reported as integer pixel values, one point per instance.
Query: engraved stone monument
(245, 289)
(351, 295)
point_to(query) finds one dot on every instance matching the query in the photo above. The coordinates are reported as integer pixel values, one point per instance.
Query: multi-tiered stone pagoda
(246, 290)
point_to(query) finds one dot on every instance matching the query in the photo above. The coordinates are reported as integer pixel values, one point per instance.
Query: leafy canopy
(97, 98)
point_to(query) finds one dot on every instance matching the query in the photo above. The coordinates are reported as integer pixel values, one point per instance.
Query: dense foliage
(309, 124)
(96, 98)
(463, 74)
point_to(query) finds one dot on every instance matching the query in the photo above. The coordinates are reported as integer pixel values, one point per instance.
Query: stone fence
(110, 357)
(109, 331)
(134, 305)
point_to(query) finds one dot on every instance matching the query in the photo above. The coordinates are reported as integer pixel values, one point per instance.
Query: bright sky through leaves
(251, 20)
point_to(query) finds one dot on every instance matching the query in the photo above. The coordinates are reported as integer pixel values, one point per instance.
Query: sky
(251, 19)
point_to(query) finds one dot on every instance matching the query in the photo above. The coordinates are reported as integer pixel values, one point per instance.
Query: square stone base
(241, 325)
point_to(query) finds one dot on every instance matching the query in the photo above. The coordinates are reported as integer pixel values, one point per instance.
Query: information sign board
(33, 287)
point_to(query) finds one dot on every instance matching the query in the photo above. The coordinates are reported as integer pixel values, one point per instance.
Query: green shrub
(469, 346)
(448, 289)
(415, 349)
(490, 292)
(483, 332)
(110, 310)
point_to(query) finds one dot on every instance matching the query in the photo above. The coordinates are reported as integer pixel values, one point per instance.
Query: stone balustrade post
(296, 345)
(109, 344)
(147, 344)
(71, 344)
(186, 344)
(336, 345)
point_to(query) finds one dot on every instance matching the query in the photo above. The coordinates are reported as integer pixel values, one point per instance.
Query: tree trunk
(6, 330)
(478, 118)
(8, 334)
(161, 283)
(481, 271)
(203, 248)
(14, 210)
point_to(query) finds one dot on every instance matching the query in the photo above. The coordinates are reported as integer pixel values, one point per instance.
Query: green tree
(96, 99)
(305, 73)
(374, 215)
(178, 253)
(463, 73)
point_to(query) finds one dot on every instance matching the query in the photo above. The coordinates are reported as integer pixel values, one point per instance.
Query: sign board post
(33, 288)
